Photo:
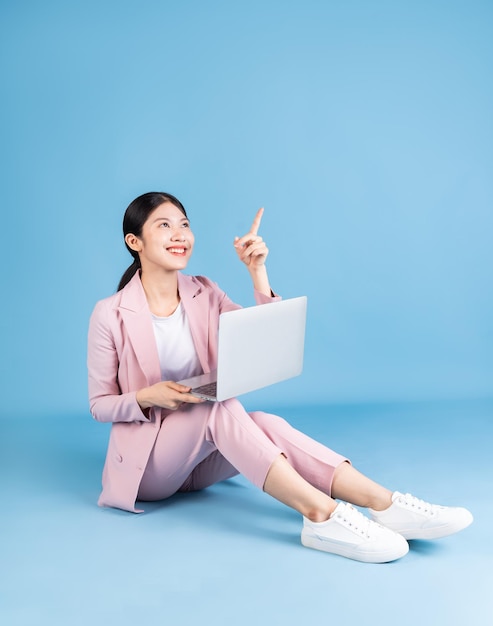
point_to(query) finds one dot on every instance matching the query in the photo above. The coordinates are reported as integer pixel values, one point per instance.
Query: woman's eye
(186, 225)
(165, 224)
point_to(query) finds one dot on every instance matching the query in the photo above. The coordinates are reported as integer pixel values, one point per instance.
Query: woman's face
(166, 241)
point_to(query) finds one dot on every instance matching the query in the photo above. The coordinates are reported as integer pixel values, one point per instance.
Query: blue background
(364, 128)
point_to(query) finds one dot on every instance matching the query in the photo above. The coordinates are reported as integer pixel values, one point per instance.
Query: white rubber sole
(436, 532)
(352, 552)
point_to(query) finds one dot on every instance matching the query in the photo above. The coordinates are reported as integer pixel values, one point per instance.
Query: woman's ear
(133, 242)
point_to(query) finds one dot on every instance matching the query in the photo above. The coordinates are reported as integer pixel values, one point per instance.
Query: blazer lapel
(136, 317)
(195, 301)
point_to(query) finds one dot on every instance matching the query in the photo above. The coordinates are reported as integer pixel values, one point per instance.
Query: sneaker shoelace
(356, 521)
(413, 503)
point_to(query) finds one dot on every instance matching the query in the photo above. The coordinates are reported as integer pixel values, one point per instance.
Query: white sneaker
(416, 519)
(349, 533)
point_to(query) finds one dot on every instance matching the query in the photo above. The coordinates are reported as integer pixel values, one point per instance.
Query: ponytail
(129, 274)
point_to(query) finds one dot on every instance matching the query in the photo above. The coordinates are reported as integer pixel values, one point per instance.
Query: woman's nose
(177, 234)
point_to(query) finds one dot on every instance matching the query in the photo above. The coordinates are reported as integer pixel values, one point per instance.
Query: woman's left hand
(251, 248)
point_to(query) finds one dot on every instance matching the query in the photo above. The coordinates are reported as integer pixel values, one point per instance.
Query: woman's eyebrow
(169, 219)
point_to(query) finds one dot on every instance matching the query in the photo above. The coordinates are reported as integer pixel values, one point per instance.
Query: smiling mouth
(180, 251)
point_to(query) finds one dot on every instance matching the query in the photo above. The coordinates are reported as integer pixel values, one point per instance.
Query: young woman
(160, 327)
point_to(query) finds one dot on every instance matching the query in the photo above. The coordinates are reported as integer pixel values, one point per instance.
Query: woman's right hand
(166, 395)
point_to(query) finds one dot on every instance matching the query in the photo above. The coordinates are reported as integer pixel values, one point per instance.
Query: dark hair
(134, 219)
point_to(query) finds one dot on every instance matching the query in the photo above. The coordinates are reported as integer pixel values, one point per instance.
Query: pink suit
(151, 456)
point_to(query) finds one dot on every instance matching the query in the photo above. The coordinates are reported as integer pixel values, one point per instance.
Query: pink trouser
(206, 443)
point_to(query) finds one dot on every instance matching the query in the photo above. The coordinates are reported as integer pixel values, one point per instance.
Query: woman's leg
(351, 486)
(202, 444)
(313, 474)
(304, 474)
(285, 484)
(181, 448)
(186, 458)
(199, 446)
(253, 441)
(288, 465)
(332, 527)
(326, 475)
(213, 469)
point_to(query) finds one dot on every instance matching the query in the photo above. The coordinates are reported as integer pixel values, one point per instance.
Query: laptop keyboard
(207, 390)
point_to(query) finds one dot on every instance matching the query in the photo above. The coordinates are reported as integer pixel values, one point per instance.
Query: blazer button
(118, 458)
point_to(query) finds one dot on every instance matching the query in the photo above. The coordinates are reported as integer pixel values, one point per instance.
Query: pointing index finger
(256, 221)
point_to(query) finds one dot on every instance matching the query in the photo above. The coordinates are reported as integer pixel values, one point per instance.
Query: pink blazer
(122, 358)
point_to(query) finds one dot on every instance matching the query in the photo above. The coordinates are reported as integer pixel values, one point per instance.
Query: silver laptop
(257, 346)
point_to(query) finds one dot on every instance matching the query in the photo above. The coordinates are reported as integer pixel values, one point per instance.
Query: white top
(177, 355)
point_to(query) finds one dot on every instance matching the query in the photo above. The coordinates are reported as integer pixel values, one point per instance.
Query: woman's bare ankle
(321, 514)
(382, 501)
